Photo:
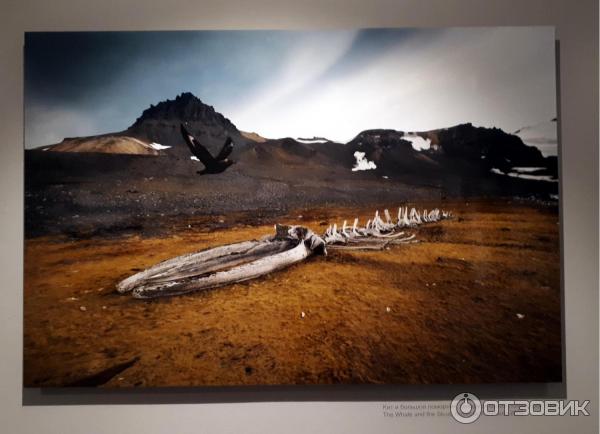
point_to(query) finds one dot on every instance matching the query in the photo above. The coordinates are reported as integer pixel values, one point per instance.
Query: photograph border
(40, 396)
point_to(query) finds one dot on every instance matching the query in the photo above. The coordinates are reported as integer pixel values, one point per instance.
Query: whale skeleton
(379, 232)
(238, 262)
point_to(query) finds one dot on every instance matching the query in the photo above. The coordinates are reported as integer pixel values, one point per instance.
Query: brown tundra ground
(476, 301)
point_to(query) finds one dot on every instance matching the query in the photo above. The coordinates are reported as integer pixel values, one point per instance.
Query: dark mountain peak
(160, 123)
(186, 107)
(187, 96)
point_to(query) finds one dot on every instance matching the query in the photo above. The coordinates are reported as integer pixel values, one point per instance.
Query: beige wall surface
(577, 30)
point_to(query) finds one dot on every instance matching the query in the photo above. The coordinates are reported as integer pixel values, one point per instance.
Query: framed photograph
(226, 208)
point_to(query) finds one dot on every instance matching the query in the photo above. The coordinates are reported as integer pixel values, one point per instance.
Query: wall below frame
(576, 28)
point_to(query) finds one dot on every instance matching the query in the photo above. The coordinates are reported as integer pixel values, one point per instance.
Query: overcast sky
(292, 83)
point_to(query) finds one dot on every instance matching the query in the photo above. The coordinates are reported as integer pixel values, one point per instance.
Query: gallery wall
(576, 29)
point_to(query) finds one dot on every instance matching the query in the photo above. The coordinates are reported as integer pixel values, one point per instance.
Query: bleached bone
(355, 228)
(406, 240)
(351, 233)
(377, 222)
(360, 246)
(201, 256)
(293, 244)
(390, 235)
(388, 217)
(344, 229)
(247, 260)
(379, 229)
(382, 226)
(404, 221)
(192, 269)
(334, 236)
(376, 232)
(377, 243)
(414, 220)
(400, 220)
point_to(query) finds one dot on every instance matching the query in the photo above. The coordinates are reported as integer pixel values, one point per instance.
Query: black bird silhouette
(212, 164)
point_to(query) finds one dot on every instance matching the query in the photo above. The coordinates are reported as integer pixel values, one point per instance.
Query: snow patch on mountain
(362, 163)
(158, 146)
(313, 140)
(523, 175)
(418, 143)
(527, 169)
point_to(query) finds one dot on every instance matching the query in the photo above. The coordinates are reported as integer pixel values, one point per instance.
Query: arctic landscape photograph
(224, 208)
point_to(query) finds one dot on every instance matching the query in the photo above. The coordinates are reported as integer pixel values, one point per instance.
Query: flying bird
(212, 164)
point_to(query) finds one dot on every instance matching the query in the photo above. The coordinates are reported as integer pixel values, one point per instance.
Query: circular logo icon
(465, 408)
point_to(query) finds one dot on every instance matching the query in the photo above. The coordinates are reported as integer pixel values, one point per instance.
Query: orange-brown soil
(476, 301)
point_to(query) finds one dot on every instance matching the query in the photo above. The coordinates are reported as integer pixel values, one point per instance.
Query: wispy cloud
(300, 70)
(464, 75)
